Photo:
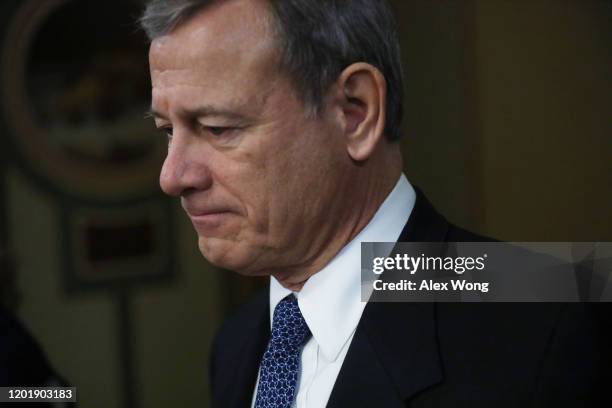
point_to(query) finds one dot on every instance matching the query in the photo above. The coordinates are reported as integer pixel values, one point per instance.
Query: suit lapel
(363, 381)
(394, 353)
(393, 356)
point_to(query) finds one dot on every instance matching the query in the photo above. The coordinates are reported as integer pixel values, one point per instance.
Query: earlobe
(363, 90)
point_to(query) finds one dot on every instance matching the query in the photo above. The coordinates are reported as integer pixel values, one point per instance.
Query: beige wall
(545, 94)
(440, 142)
(509, 125)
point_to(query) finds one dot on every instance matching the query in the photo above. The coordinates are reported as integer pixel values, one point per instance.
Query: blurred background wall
(507, 130)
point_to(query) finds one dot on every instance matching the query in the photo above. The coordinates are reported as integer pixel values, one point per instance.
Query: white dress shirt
(330, 300)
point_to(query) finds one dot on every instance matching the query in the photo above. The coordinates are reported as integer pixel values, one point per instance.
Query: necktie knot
(288, 325)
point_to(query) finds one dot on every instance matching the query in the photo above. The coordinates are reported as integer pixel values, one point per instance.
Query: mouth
(208, 220)
(207, 215)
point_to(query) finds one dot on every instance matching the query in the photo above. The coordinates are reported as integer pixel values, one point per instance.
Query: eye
(217, 130)
(167, 130)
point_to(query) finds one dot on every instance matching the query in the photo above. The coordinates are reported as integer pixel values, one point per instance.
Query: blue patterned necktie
(280, 365)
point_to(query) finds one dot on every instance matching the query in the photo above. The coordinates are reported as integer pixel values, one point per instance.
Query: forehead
(226, 42)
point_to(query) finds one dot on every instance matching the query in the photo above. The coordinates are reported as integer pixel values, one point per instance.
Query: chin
(228, 255)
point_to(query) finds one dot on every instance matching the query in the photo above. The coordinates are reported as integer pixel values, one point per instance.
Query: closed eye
(213, 130)
(217, 130)
(167, 130)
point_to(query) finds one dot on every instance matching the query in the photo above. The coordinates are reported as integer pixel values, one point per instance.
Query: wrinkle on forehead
(223, 56)
(186, 97)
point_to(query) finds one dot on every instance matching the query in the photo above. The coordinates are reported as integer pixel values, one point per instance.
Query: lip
(207, 215)
(202, 211)
(206, 221)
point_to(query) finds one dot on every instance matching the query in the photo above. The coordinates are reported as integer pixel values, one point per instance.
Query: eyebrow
(202, 111)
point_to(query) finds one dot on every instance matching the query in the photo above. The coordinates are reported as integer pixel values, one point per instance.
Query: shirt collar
(330, 300)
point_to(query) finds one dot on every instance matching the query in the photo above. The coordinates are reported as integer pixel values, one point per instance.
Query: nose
(184, 168)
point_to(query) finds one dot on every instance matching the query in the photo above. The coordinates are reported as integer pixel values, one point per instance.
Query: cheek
(263, 179)
(278, 175)
(305, 173)
(242, 176)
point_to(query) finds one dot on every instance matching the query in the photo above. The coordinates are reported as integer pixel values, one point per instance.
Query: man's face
(256, 176)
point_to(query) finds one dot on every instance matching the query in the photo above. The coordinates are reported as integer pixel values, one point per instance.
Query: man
(282, 120)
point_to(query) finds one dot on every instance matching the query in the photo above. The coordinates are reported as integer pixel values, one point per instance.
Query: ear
(362, 92)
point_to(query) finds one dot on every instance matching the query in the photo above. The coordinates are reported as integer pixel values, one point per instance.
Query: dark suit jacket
(438, 354)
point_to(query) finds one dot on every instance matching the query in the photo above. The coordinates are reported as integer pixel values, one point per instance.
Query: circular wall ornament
(75, 87)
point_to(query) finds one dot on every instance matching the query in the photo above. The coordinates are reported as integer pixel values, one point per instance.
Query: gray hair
(317, 41)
